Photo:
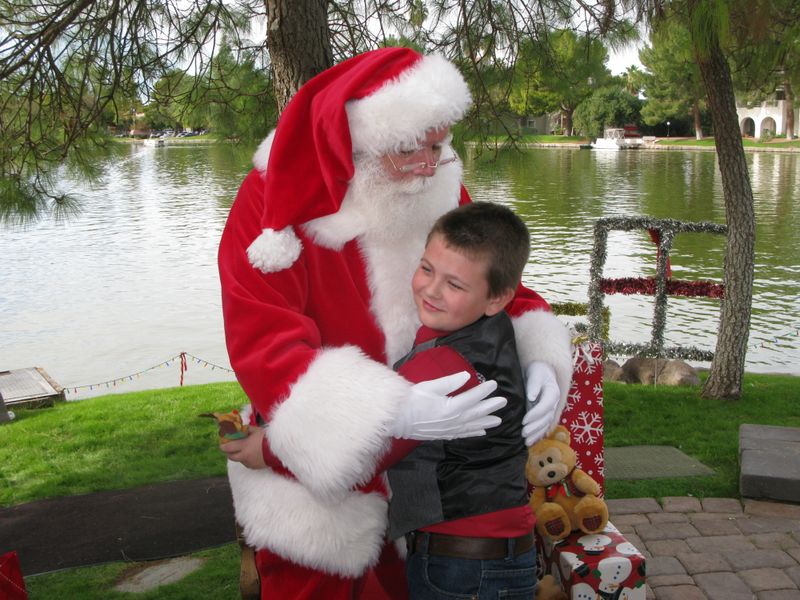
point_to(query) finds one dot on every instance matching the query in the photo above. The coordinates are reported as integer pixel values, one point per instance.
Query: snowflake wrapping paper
(583, 414)
(12, 585)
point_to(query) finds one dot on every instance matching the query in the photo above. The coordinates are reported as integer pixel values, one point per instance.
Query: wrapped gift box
(599, 566)
(12, 586)
(583, 414)
(603, 565)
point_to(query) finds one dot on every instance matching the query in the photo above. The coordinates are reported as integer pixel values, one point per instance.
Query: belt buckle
(411, 542)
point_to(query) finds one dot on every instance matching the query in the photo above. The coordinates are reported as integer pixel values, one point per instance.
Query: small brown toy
(230, 426)
(564, 497)
(548, 589)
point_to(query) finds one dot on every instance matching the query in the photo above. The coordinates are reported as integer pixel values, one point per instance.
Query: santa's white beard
(378, 207)
(391, 219)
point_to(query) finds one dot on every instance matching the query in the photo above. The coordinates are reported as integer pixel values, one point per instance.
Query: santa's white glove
(430, 414)
(543, 394)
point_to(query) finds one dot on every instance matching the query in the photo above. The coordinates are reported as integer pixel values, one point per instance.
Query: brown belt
(479, 548)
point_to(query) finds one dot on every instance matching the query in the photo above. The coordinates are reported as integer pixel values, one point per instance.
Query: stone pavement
(715, 549)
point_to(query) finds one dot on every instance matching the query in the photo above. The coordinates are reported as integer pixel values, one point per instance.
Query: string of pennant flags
(181, 359)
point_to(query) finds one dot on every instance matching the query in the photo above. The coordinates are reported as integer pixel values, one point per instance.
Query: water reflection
(561, 193)
(129, 282)
(132, 280)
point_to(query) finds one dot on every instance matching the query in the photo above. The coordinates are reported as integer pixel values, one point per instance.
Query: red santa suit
(315, 264)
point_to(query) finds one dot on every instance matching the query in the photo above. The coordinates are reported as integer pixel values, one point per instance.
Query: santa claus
(315, 262)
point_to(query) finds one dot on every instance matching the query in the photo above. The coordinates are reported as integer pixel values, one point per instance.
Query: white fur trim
(540, 335)
(261, 157)
(432, 93)
(334, 231)
(342, 538)
(401, 547)
(274, 251)
(332, 429)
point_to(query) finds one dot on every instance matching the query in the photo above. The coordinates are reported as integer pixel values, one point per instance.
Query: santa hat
(376, 102)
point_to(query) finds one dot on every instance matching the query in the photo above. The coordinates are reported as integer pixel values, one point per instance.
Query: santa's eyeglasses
(414, 166)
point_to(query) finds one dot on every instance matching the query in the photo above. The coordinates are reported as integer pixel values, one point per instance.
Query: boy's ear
(498, 303)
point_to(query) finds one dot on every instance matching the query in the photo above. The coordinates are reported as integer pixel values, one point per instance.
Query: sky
(618, 62)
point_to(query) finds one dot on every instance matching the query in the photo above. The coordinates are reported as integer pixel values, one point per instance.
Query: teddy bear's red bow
(565, 487)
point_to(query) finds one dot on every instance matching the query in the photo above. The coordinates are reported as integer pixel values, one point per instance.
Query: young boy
(462, 504)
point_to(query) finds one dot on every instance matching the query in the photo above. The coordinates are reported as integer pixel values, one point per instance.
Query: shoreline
(656, 147)
(648, 146)
(489, 145)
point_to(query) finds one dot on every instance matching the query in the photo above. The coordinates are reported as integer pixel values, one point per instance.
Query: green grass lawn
(747, 143)
(707, 430)
(127, 440)
(554, 139)
(124, 440)
(217, 579)
(113, 442)
(538, 139)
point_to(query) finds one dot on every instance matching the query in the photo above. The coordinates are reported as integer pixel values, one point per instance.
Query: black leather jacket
(446, 480)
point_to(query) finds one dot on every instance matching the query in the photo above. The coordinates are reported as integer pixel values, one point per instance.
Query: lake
(103, 300)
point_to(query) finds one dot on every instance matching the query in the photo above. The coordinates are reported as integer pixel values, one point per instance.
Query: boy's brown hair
(491, 231)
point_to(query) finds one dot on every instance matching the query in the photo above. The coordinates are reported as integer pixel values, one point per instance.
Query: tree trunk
(567, 120)
(298, 42)
(698, 126)
(727, 368)
(789, 104)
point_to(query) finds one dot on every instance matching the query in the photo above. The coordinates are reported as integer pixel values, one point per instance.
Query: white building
(766, 119)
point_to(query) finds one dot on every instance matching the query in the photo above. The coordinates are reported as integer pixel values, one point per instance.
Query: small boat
(618, 139)
(157, 142)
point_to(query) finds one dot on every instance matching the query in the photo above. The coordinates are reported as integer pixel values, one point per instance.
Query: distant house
(539, 124)
(765, 119)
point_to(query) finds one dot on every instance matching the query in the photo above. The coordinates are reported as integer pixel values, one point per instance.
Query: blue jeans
(432, 577)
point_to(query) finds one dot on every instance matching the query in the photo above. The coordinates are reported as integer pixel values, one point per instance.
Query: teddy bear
(548, 589)
(564, 497)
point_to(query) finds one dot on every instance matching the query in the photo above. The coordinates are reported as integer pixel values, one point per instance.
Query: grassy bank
(707, 430)
(776, 144)
(126, 440)
(217, 578)
(113, 442)
(537, 139)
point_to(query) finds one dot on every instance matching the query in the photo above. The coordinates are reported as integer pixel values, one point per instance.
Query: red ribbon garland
(647, 286)
(655, 235)
(184, 366)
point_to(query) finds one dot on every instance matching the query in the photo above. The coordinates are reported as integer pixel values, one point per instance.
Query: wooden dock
(29, 388)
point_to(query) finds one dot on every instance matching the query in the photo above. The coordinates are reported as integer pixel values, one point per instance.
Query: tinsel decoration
(662, 230)
(683, 352)
(675, 287)
(576, 309)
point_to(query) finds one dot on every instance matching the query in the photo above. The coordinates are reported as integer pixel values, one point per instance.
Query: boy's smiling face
(451, 289)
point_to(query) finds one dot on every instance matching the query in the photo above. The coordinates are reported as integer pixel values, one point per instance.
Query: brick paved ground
(714, 549)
